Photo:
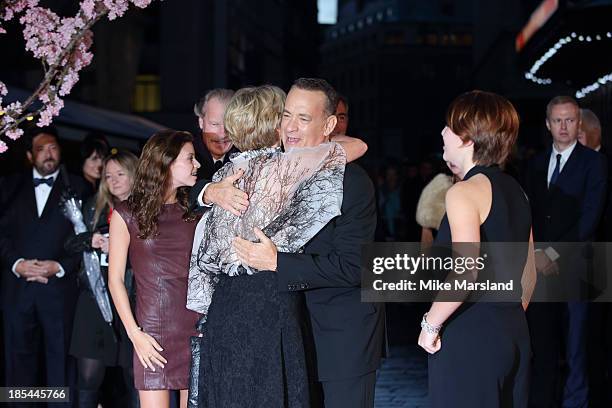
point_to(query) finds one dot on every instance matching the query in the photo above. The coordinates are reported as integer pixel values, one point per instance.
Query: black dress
(253, 345)
(485, 354)
(92, 337)
(253, 350)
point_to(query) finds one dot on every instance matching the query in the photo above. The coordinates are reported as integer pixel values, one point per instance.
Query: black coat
(207, 166)
(349, 335)
(92, 337)
(32, 307)
(565, 214)
(571, 209)
(25, 235)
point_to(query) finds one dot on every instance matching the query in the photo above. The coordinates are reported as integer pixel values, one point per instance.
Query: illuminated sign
(538, 18)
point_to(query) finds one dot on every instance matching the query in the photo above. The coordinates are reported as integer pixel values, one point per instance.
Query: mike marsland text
(438, 285)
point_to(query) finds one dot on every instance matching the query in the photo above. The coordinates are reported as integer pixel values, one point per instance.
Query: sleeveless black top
(509, 222)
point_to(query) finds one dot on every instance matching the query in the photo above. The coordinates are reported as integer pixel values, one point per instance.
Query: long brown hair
(128, 162)
(153, 180)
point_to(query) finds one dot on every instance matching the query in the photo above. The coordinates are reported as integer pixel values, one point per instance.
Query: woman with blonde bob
(479, 352)
(96, 344)
(251, 353)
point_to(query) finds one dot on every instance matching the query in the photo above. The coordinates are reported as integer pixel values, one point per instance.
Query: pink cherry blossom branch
(62, 45)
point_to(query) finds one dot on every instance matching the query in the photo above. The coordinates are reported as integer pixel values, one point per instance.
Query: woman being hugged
(480, 351)
(252, 353)
(157, 228)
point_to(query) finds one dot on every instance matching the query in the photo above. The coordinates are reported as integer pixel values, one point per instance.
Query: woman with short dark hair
(483, 360)
(95, 343)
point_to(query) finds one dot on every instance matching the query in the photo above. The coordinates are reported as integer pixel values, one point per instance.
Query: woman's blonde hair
(128, 162)
(253, 115)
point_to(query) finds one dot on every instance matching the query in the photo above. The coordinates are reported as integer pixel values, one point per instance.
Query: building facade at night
(400, 63)
(206, 44)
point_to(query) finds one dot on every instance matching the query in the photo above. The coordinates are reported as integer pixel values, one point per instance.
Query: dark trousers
(600, 354)
(356, 392)
(549, 324)
(39, 319)
(576, 390)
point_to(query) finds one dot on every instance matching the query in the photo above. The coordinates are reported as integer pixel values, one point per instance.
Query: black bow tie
(48, 181)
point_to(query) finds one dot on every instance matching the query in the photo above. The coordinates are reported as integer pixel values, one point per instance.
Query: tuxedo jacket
(205, 172)
(207, 166)
(349, 336)
(26, 235)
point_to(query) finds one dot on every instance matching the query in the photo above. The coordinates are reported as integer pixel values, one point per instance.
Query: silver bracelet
(428, 327)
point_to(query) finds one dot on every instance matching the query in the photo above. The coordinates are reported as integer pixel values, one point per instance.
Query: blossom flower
(3, 91)
(14, 133)
(63, 45)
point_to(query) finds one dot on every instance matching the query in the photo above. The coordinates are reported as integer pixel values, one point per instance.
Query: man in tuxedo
(214, 149)
(349, 336)
(566, 186)
(39, 277)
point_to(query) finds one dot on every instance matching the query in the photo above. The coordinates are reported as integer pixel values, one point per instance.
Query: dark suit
(35, 311)
(600, 313)
(604, 229)
(203, 156)
(349, 336)
(568, 211)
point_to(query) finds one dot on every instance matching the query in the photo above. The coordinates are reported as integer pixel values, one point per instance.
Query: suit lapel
(572, 162)
(29, 196)
(543, 170)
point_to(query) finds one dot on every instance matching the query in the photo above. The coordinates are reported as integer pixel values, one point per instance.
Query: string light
(594, 86)
(562, 42)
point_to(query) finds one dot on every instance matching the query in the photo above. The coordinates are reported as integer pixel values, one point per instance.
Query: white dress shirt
(201, 195)
(552, 163)
(42, 192)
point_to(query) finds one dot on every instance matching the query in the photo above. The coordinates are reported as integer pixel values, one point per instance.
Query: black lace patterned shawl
(292, 196)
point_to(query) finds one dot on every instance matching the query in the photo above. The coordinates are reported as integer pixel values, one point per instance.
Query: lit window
(146, 94)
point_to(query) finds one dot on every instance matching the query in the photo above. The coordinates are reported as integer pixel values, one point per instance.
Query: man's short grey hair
(221, 94)
(589, 119)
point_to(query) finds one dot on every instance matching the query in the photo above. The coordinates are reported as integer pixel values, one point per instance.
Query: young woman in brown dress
(155, 225)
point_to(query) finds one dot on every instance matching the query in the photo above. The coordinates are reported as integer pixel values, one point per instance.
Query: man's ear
(201, 123)
(547, 125)
(30, 157)
(330, 125)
